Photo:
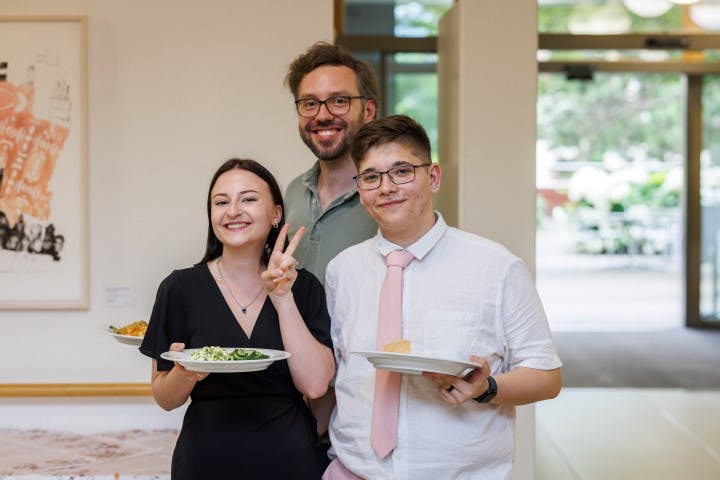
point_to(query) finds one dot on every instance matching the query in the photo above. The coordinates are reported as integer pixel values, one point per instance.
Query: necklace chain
(243, 308)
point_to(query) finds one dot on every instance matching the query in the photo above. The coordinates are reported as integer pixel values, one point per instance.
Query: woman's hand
(184, 372)
(281, 274)
(311, 363)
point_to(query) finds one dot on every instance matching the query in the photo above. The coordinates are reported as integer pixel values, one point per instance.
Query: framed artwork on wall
(43, 163)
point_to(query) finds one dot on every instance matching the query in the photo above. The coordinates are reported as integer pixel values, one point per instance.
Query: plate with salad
(226, 359)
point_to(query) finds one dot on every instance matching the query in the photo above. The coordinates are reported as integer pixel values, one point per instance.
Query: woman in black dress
(245, 292)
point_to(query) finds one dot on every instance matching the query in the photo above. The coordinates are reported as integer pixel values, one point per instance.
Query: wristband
(489, 393)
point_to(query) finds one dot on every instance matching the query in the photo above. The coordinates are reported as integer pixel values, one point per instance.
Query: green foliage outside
(614, 112)
(415, 19)
(555, 18)
(417, 98)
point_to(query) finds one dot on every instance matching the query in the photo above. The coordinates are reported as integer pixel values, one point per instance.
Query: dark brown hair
(392, 129)
(324, 53)
(214, 247)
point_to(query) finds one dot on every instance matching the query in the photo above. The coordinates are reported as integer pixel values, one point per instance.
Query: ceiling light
(706, 15)
(648, 8)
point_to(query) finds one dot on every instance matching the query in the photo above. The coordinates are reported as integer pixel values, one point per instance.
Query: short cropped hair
(324, 53)
(393, 129)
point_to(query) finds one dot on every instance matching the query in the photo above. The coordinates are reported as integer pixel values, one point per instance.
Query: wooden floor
(629, 434)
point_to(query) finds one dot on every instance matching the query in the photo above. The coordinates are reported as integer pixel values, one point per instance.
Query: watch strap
(489, 393)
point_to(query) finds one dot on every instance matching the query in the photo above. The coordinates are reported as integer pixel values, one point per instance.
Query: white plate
(127, 339)
(416, 364)
(226, 366)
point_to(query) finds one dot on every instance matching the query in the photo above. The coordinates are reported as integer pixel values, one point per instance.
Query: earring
(275, 224)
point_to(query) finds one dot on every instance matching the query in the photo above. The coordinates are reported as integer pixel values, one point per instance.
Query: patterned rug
(123, 455)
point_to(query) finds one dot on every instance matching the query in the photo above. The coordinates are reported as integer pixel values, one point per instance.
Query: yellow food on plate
(398, 346)
(135, 329)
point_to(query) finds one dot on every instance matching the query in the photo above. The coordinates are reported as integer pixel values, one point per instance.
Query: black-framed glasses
(398, 175)
(337, 105)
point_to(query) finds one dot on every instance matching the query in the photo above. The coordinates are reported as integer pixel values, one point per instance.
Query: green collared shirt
(343, 223)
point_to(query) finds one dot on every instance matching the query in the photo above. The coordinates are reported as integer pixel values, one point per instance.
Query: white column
(487, 73)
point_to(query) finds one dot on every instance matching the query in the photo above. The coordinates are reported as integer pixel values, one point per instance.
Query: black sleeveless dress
(253, 425)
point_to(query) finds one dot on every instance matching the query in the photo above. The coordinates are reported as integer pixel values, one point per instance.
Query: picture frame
(43, 163)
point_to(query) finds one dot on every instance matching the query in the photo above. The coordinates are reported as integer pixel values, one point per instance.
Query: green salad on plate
(215, 354)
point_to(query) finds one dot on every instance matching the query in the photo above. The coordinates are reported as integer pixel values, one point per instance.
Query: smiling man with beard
(335, 95)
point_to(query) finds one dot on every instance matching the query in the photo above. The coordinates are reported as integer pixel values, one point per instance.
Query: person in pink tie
(448, 293)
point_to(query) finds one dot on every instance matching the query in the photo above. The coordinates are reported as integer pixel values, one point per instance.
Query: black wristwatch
(489, 393)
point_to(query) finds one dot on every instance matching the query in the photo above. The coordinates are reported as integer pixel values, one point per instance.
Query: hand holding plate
(187, 374)
(456, 390)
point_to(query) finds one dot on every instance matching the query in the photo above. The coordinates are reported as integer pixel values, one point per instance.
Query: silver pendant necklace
(243, 308)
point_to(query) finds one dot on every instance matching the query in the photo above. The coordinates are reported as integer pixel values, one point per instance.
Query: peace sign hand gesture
(281, 274)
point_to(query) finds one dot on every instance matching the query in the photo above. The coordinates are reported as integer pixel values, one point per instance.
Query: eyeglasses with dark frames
(398, 175)
(337, 105)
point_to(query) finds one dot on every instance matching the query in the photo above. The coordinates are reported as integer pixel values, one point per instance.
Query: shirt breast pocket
(452, 334)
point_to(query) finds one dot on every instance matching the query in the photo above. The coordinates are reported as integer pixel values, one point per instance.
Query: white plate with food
(130, 334)
(127, 339)
(226, 360)
(416, 364)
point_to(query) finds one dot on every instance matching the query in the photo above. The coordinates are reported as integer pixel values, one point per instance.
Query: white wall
(488, 83)
(87, 414)
(175, 88)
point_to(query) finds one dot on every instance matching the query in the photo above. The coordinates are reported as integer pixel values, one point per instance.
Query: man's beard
(332, 152)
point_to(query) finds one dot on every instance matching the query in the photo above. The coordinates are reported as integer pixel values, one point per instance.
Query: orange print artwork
(29, 149)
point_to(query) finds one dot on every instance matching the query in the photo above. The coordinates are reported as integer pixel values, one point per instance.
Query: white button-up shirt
(463, 295)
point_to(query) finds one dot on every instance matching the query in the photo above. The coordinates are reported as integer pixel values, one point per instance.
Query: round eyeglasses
(337, 105)
(397, 175)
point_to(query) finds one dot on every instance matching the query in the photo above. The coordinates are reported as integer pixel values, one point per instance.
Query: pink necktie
(383, 429)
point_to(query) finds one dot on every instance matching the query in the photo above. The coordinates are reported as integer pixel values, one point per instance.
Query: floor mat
(670, 358)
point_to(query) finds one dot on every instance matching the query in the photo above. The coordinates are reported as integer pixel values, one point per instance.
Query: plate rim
(120, 337)
(285, 355)
(411, 356)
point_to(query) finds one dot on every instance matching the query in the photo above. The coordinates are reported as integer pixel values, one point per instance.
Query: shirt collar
(310, 180)
(310, 177)
(422, 246)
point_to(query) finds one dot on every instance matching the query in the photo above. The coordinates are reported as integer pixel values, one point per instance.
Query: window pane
(610, 55)
(419, 18)
(610, 171)
(412, 90)
(401, 18)
(608, 16)
(710, 202)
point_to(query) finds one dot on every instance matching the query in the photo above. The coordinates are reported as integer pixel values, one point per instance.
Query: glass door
(610, 170)
(709, 291)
